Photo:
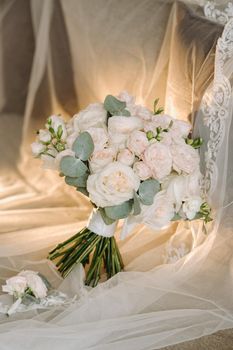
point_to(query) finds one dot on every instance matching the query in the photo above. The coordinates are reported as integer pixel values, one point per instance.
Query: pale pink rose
(113, 185)
(137, 142)
(99, 137)
(158, 158)
(185, 158)
(120, 127)
(126, 157)
(102, 158)
(142, 170)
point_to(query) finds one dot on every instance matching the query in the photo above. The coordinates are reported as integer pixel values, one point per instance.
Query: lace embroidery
(217, 15)
(215, 106)
(173, 253)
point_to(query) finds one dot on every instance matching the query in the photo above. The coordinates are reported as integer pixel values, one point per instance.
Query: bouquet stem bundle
(86, 247)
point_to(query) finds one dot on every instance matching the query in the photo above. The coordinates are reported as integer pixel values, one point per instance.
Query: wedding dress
(59, 56)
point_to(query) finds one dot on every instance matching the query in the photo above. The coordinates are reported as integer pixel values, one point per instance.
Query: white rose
(160, 120)
(185, 158)
(99, 137)
(44, 136)
(142, 170)
(124, 96)
(37, 148)
(93, 116)
(57, 122)
(113, 185)
(159, 214)
(180, 128)
(101, 158)
(126, 157)
(15, 286)
(191, 206)
(120, 127)
(142, 112)
(158, 158)
(35, 283)
(71, 138)
(137, 142)
(179, 187)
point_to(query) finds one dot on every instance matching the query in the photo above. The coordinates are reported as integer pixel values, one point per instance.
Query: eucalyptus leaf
(121, 211)
(147, 191)
(105, 218)
(136, 204)
(115, 106)
(73, 167)
(83, 146)
(77, 181)
(176, 217)
(83, 190)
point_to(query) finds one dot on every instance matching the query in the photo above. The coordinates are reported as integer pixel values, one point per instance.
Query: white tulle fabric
(177, 283)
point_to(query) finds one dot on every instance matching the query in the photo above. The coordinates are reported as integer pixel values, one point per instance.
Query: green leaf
(176, 217)
(106, 219)
(136, 204)
(83, 191)
(147, 191)
(121, 211)
(77, 181)
(73, 167)
(157, 110)
(115, 106)
(83, 146)
(59, 131)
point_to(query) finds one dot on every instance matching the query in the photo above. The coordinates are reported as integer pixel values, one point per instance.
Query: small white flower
(191, 206)
(37, 148)
(44, 136)
(125, 156)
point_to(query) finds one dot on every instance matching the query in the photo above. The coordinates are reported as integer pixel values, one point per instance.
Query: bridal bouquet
(133, 164)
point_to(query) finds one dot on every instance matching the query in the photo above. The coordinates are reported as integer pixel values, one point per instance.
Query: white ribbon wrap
(98, 226)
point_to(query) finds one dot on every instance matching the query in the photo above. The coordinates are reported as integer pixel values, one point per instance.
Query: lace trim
(215, 106)
(217, 15)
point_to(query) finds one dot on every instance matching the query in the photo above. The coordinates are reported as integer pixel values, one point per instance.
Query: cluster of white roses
(26, 282)
(136, 154)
